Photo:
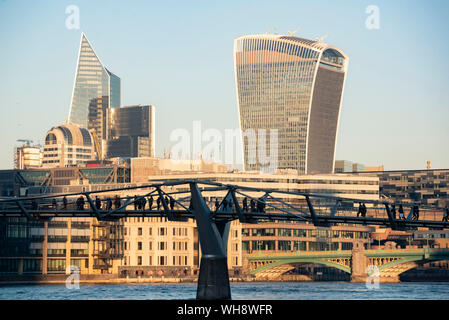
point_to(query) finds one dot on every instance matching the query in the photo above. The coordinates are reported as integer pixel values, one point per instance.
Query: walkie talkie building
(293, 85)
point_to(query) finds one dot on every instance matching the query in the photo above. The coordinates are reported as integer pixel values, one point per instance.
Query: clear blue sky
(178, 56)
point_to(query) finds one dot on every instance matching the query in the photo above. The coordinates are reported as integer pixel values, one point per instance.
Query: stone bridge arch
(271, 269)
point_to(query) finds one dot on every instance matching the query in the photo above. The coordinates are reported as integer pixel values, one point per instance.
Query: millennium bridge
(186, 199)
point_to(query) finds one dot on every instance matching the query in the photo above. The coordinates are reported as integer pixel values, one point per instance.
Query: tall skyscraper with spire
(295, 86)
(95, 91)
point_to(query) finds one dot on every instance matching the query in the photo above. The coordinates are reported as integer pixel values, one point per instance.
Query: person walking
(393, 211)
(225, 204)
(245, 204)
(415, 213)
(446, 214)
(54, 204)
(80, 203)
(97, 203)
(359, 212)
(172, 204)
(158, 202)
(150, 202)
(108, 203)
(143, 203)
(117, 202)
(64, 202)
(135, 203)
(252, 204)
(217, 204)
(364, 210)
(401, 212)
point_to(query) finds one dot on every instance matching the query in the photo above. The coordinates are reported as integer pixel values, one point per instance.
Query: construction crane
(27, 141)
(97, 144)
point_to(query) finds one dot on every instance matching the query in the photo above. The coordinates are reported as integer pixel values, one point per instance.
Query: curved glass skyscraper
(293, 85)
(95, 90)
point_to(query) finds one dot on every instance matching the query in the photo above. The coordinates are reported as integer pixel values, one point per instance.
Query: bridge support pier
(213, 280)
(359, 264)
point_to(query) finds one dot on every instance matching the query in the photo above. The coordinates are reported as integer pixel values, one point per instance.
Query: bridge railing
(261, 204)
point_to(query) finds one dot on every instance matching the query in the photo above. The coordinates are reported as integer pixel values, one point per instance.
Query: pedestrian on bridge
(217, 204)
(136, 202)
(158, 202)
(225, 204)
(80, 203)
(252, 204)
(393, 211)
(97, 203)
(364, 210)
(167, 202)
(446, 214)
(415, 215)
(143, 202)
(245, 204)
(117, 202)
(108, 203)
(172, 203)
(64, 202)
(261, 204)
(359, 212)
(54, 204)
(401, 212)
(150, 202)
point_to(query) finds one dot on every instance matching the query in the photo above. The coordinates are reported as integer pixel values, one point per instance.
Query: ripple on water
(240, 291)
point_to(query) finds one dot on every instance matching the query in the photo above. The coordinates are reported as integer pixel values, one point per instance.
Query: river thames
(240, 291)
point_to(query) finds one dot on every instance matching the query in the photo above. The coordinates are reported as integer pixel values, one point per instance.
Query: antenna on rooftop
(292, 33)
(320, 39)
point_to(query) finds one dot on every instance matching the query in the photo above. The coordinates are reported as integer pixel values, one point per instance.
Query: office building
(295, 86)
(429, 186)
(132, 132)
(95, 89)
(68, 145)
(345, 166)
(27, 157)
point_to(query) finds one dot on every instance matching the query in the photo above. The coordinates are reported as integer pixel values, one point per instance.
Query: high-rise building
(95, 89)
(131, 132)
(293, 85)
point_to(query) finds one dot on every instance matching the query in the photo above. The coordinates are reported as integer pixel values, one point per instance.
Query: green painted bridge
(390, 262)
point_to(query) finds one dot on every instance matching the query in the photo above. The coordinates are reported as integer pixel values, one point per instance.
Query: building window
(139, 245)
(162, 260)
(162, 231)
(139, 231)
(284, 245)
(139, 260)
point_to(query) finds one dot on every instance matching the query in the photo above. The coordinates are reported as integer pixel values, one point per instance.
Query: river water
(240, 291)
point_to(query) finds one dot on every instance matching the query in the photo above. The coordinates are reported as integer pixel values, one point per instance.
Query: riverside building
(154, 246)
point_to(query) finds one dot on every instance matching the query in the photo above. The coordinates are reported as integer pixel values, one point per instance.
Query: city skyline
(380, 132)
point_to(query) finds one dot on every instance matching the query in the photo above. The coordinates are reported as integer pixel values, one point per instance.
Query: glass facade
(95, 89)
(293, 85)
(131, 132)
